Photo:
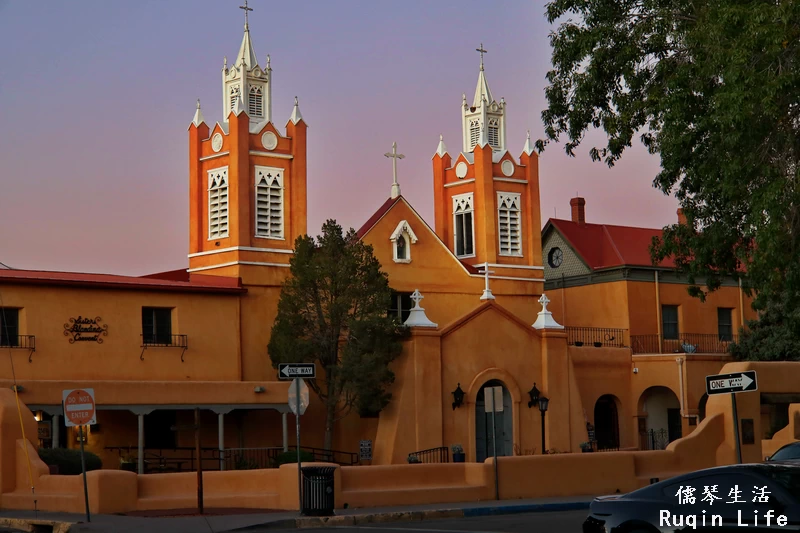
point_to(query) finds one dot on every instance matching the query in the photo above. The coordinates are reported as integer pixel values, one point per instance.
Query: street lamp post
(543, 402)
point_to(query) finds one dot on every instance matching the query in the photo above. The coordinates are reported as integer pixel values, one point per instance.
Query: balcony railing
(23, 342)
(155, 340)
(685, 343)
(580, 336)
(433, 455)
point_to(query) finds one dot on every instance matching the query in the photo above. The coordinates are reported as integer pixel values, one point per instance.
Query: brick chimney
(578, 211)
(681, 217)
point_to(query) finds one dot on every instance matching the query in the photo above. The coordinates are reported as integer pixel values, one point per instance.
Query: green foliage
(69, 461)
(712, 87)
(291, 457)
(774, 337)
(333, 312)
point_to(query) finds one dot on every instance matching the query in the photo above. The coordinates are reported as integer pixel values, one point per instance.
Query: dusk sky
(96, 99)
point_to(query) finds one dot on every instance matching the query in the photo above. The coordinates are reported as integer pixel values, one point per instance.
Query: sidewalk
(219, 523)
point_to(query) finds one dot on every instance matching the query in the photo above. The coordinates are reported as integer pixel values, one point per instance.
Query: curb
(408, 516)
(34, 525)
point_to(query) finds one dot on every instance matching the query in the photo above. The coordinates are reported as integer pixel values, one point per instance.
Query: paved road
(560, 522)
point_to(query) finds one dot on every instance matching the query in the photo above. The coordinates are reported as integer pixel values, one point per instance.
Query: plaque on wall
(748, 431)
(85, 330)
(45, 432)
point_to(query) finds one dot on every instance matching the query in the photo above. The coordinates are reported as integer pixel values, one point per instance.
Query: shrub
(69, 461)
(291, 457)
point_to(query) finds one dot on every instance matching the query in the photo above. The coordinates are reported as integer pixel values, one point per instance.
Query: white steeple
(484, 122)
(246, 80)
(528, 148)
(198, 115)
(296, 116)
(441, 150)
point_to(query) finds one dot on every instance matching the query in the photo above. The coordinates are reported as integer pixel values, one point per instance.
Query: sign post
(298, 403)
(493, 401)
(733, 383)
(79, 410)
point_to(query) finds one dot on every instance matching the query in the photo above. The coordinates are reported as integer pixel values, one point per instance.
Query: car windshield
(789, 452)
(785, 476)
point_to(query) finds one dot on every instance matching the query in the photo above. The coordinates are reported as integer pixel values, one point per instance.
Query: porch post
(221, 437)
(285, 421)
(141, 443)
(56, 430)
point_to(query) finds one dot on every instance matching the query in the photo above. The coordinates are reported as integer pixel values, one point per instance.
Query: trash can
(318, 497)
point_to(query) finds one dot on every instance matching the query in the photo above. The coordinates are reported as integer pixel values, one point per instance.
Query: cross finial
(416, 297)
(487, 292)
(482, 51)
(544, 300)
(395, 156)
(246, 9)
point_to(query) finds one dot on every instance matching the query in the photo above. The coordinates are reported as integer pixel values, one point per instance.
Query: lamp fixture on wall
(534, 394)
(458, 396)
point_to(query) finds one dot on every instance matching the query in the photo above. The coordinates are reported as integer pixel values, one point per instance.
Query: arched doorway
(503, 427)
(663, 416)
(606, 422)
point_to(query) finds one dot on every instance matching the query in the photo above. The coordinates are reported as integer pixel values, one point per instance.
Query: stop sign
(79, 407)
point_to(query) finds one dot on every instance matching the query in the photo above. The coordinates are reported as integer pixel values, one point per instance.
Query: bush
(291, 457)
(69, 461)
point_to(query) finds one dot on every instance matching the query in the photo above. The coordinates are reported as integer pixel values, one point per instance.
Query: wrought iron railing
(433, 455)
(654, 439)
(23, 342)
(156, 340)
(685, 343)
(581, 336)
(178, 459)
(331, 456)
(251, 458)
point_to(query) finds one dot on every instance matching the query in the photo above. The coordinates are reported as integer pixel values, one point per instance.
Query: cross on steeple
(246, 9)
(482, 51)
(487, 292)
(395, 156)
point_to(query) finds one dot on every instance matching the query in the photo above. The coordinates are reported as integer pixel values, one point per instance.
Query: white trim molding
(523, 267)
(471, 180)
(242, 248)
(511, 180)
(206, 158)
(410, 238)
(233, 263)
(482, 276)
(272, 154)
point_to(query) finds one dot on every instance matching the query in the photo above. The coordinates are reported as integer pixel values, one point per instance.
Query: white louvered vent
(494, 133)
(234, 95)
(474, 133)
(218, 203)
(508, 213)
(269, 202)
(256, 104)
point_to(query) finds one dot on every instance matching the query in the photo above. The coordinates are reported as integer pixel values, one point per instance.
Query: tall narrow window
(508, 209)
(9, 326)
(269, 202)
(234, 95)
(725, 323)
(401, 306)
(669, 322)
(494, 133)
(256, 103)
(218, 203)
(401, 248)
(157, 326)
(402, 238)
(462, 223)
(474, 133)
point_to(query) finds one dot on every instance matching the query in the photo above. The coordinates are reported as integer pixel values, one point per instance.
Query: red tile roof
(166, 281)
(606, 246)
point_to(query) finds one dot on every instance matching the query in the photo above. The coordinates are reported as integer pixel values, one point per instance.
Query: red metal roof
(168, 281)
(606, 246)
(382, 210)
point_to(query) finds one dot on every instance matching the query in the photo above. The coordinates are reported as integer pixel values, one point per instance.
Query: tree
(713, 86)
(333, 312)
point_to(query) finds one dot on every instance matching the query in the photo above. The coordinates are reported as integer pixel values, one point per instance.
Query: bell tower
(486, 202)
(247, 180)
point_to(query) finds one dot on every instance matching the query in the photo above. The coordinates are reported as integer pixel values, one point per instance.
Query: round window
(555, 257)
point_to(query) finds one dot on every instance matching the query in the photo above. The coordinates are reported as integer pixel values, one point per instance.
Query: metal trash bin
(318, 497)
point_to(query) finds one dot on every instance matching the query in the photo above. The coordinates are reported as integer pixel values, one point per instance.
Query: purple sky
(97, 97)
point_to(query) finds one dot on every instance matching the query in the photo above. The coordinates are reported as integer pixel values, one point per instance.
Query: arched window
(256, 102)
(402, 238)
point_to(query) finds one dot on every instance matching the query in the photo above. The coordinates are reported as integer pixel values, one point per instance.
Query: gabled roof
(176, 280)
(604, 246)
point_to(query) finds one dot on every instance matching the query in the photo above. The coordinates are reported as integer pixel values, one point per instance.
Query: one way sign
(727, 383)
(297, 370)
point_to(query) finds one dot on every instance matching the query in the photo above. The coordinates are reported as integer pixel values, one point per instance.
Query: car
(787, 452)
(760, 496)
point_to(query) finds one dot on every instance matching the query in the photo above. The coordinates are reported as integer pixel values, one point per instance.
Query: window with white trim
(218, 203)
(234, 95)
(474, 133)
(508, 211)
(464, 231)
(256, 102)
(269, 202)
(494, 133)
(402, 238)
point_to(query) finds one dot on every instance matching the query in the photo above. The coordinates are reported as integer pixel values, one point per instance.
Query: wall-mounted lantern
(458, 396)
(534, 394)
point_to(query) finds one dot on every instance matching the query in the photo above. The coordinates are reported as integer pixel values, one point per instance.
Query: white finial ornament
(269, 67)
(198, 115)
(528, 148)
(545, 320)
(441, 150)
(487, 292)
(417, 317)
(296, 116)
(395, 156)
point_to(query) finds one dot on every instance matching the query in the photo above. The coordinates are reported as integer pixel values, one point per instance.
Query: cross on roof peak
(246, 9)
(482, 51)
